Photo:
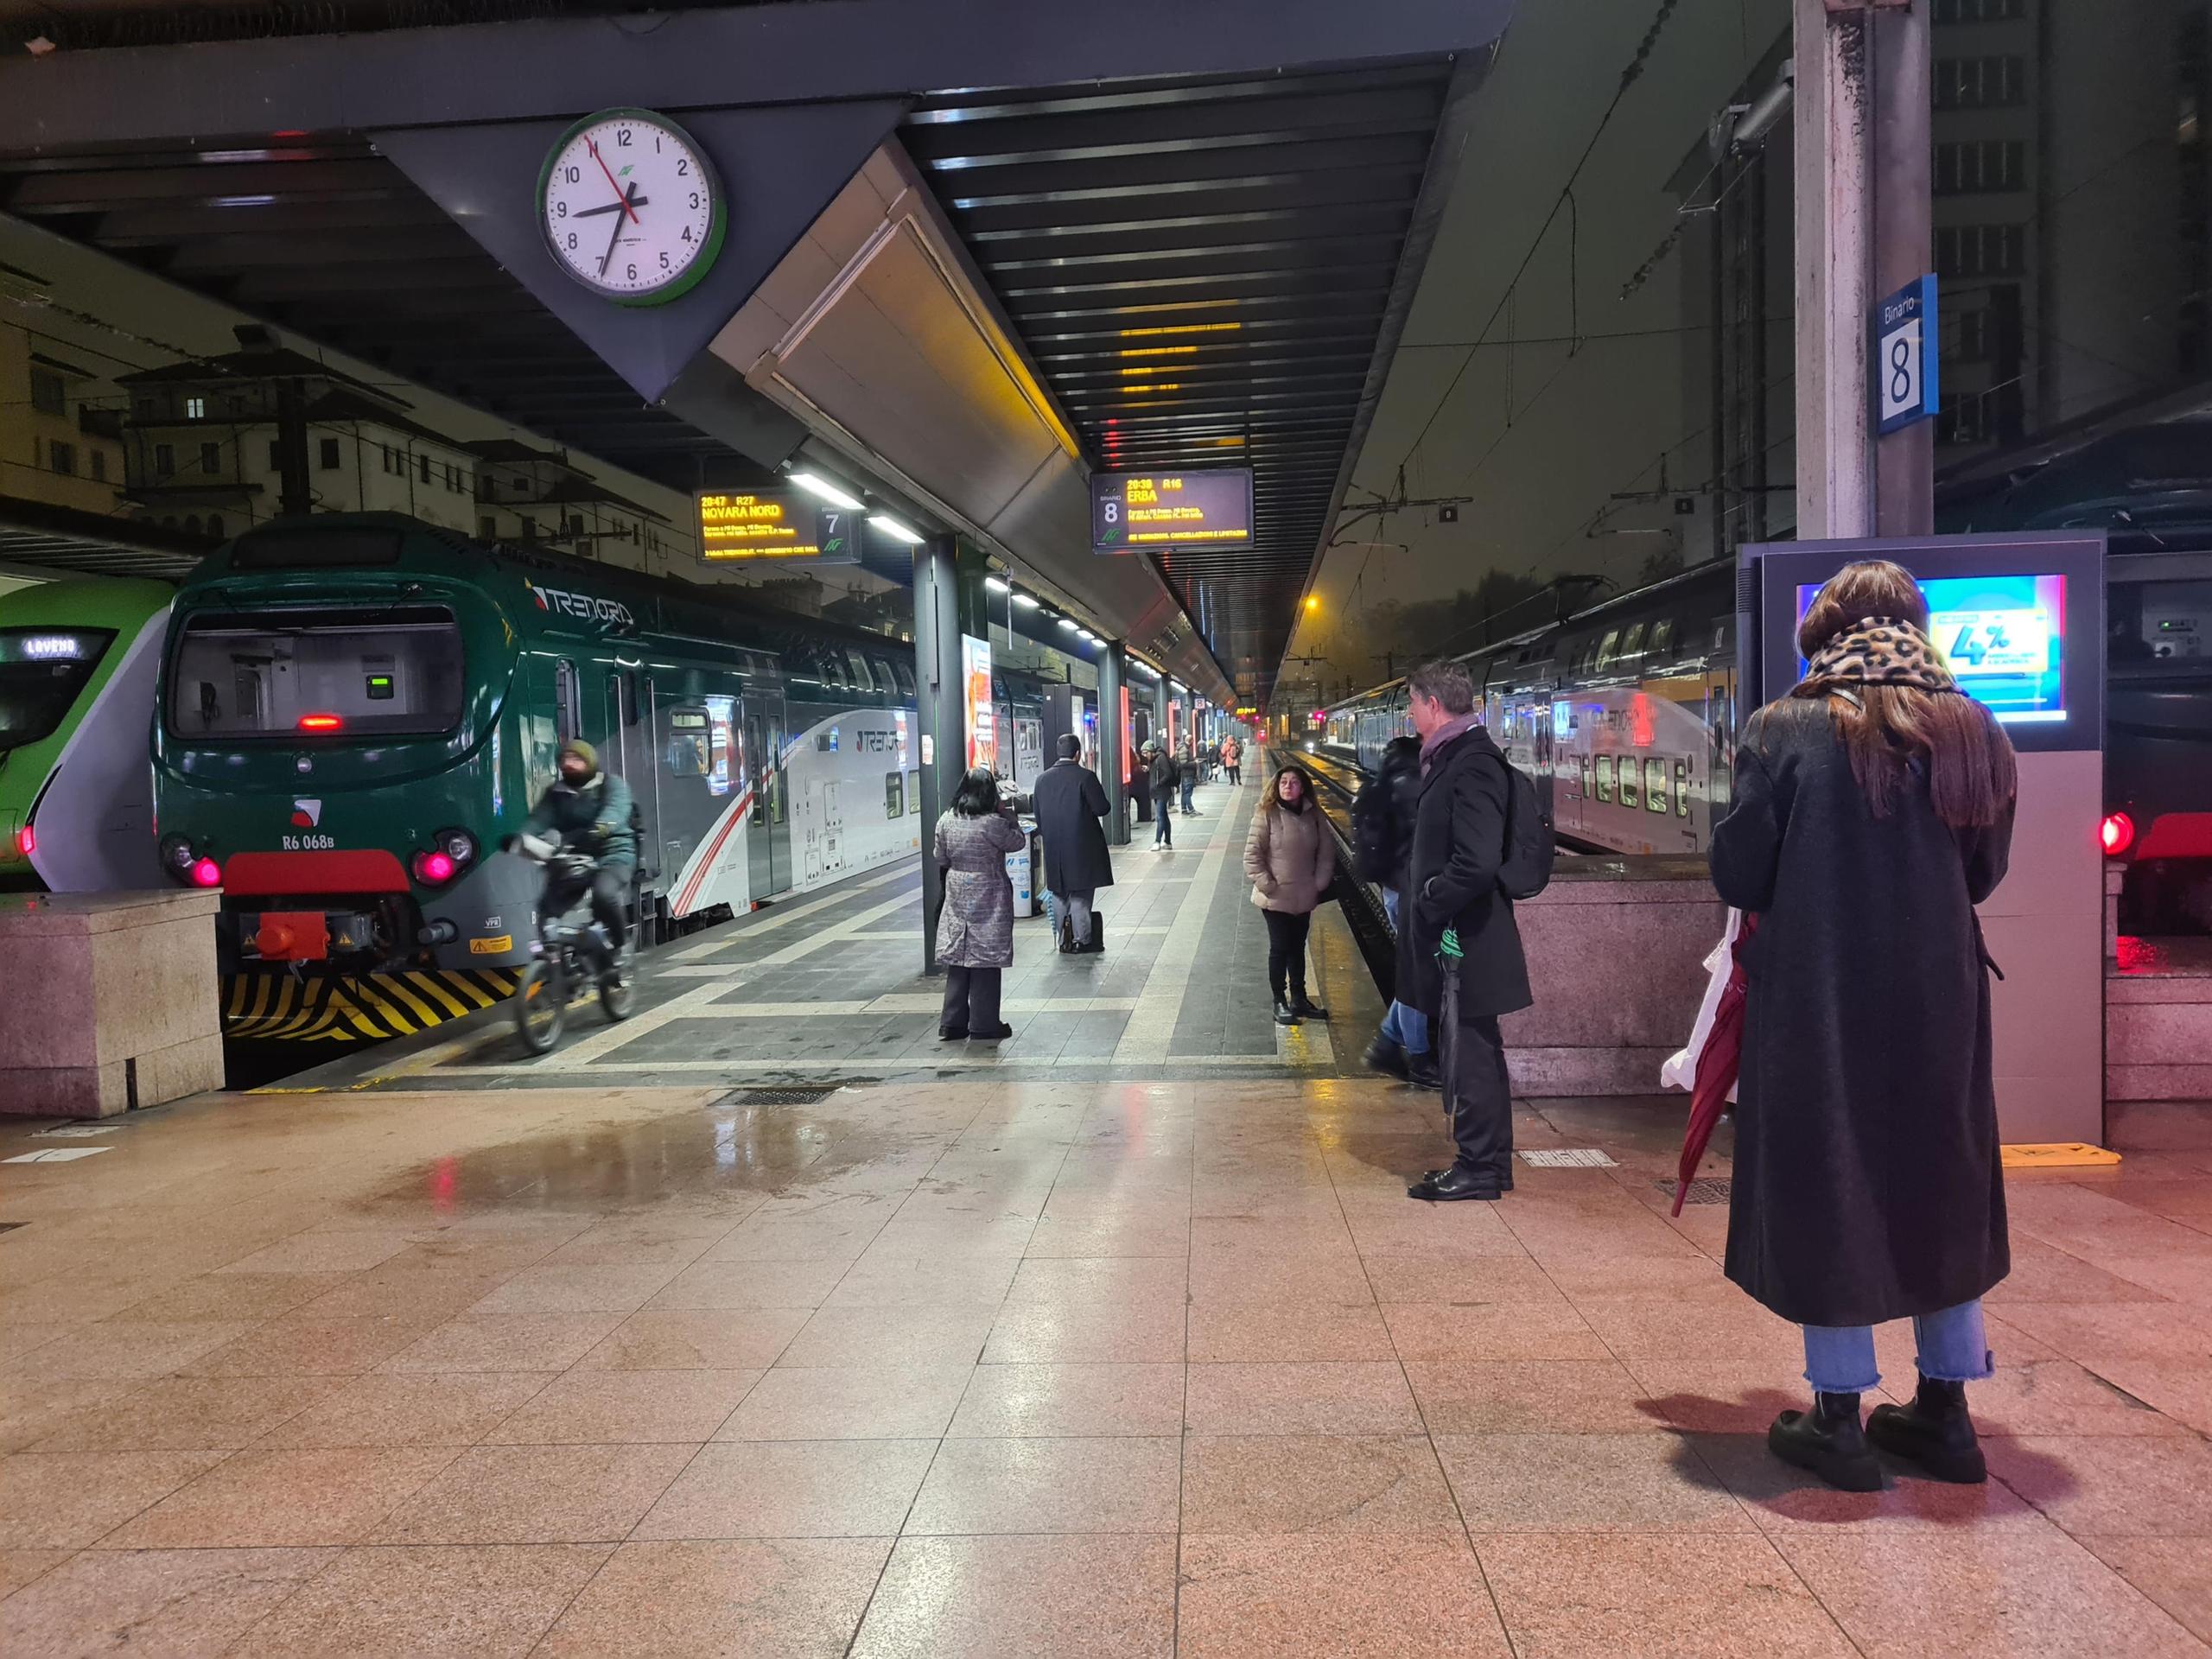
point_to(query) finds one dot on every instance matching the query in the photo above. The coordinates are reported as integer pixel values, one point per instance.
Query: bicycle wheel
(541, 1004)
(618, 1000)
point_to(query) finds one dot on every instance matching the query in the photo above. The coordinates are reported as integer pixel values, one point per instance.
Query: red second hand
(620, 195)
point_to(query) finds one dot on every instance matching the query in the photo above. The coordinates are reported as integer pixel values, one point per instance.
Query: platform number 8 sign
(1904, 356)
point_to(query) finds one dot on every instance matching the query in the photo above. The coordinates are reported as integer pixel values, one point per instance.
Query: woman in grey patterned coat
(975, 930)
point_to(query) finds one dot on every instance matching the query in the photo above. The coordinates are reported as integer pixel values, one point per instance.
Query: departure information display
(738, 526)
(1131, 511)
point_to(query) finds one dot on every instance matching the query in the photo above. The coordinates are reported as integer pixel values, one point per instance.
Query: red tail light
(436, 868)
(207, 873)
(2116, 833)
(26, 841)
(320, 723)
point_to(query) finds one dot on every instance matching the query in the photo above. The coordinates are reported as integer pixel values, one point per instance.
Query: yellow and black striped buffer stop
(354, 1007)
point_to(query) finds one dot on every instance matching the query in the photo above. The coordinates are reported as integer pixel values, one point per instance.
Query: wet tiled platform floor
(1027, 1361)
(829, 986)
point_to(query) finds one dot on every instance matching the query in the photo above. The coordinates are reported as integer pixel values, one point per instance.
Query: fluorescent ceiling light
(822, 486)
(1069, 624)
(1085, 634)
(998, 584)
(892, 528)
(1028, 601)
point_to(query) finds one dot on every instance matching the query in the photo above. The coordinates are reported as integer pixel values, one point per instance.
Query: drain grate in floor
(1705, 1190)
(795, 1094)
(1568, 1158)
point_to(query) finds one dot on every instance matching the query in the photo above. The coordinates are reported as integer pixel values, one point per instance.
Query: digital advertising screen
(2003, 637)
(976, 696)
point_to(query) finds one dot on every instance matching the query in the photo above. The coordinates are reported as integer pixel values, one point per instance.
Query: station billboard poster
(2003, 637)
(774, 525)
(979, 719)
(1131, 513)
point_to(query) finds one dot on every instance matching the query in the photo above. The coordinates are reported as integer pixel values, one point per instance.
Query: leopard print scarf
(1879, 650)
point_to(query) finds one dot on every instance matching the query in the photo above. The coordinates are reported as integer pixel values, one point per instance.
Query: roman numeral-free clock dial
(631, 207)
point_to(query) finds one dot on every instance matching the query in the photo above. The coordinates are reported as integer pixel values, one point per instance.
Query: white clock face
(631, 208)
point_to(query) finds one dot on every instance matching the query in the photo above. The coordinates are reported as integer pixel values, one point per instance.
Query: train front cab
(2157, 824)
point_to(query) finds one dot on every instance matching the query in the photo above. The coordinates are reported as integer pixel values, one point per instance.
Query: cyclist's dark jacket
(594, 819)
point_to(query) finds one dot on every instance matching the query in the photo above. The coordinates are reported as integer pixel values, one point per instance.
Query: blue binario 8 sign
(1904, 370)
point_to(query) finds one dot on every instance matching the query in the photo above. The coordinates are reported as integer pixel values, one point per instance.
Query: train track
(1362, 901)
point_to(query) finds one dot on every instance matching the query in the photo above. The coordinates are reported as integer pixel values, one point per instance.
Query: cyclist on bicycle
(590, 810)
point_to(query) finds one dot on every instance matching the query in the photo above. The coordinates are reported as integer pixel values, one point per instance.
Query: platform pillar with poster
(2021, 621)
(949, 627)
(1112, 752)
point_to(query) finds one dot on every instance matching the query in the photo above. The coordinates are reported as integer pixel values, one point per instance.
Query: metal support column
(1113, 741)
(1835, 496)
(947, 603)
(1905, 462)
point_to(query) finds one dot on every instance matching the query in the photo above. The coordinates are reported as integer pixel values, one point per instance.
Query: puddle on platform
(730, 1148)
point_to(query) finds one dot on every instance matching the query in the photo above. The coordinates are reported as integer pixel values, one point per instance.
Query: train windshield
(42, 672)
(361, 673)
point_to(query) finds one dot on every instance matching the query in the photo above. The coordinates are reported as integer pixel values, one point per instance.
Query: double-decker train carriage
(1625, 715)
(354, 711)
(78, 666)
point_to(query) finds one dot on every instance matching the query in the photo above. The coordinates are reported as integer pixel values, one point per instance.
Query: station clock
(630, 207)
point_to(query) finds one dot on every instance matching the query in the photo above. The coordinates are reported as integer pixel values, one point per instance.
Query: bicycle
(569, 952)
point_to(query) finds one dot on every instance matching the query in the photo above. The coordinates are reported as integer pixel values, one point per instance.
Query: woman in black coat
(1872, 811)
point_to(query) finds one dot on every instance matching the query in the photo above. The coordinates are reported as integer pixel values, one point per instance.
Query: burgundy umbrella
(1717, 1063)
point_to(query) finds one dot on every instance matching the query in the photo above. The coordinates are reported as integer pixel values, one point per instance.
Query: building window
(164, 460)
(145, 409)
(275, 456)
(1963, 250)
(422, 465)
(1980, 165)
(62, 457)
(487, 528)
(215, 525)
(49, 392)
(1970, 335)
(210, 458)
(99, 465)
(195, 409)
(1985, 83)
(1979, 11)
(328, 456)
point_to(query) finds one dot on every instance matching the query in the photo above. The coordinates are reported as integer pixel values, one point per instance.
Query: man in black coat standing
(1458, 910)
(1070, 802)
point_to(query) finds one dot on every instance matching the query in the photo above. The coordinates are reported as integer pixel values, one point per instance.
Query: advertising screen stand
(2021, 621)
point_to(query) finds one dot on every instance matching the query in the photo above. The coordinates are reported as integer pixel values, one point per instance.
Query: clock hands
(617, 189)
(614, 207)
(629, 204)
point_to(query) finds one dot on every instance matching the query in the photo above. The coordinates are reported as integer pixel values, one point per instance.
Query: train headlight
(457, 844)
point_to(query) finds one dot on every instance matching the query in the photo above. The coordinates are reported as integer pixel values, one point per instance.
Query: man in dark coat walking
(1469, 968)
(1070, 802)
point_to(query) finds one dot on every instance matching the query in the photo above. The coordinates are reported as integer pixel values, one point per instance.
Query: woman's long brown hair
(1972, 772)
(1274, 803)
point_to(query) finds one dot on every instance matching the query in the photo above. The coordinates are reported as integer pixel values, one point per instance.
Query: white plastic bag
(1681, 1070)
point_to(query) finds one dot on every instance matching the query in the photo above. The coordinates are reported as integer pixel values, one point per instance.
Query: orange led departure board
(1131, 511)
(747, 525)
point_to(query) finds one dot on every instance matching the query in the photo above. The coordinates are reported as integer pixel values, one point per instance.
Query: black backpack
(1373, 835)
(1527, 870)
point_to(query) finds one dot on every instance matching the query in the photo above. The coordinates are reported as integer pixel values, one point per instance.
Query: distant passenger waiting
(1291, 859)
(1465, 946)
(1872, 812)
(1070, 802)
(974, 928)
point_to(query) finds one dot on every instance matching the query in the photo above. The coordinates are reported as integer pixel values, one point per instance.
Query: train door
(629, 755)
(1719, 781)
(769, 776)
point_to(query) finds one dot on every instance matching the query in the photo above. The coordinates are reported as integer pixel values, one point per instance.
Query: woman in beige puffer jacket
(1291, 858)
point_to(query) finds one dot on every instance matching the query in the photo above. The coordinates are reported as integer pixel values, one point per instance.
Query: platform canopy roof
(1201, 224)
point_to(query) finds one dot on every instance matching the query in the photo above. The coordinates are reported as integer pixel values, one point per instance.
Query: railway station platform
(764, 1324)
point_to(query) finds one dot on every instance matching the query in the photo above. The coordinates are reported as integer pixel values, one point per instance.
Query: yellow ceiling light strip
(1180, 328)
(1156, 351)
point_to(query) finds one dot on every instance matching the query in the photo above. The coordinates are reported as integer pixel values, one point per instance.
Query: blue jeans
(1954, 1348)
(1407, 1027)
(1190, 783)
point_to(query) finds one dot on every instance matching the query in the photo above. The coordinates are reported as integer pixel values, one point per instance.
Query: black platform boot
(1285, 1014)
(1934, 1432)
(1387, 1057)
(1828, 1441)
